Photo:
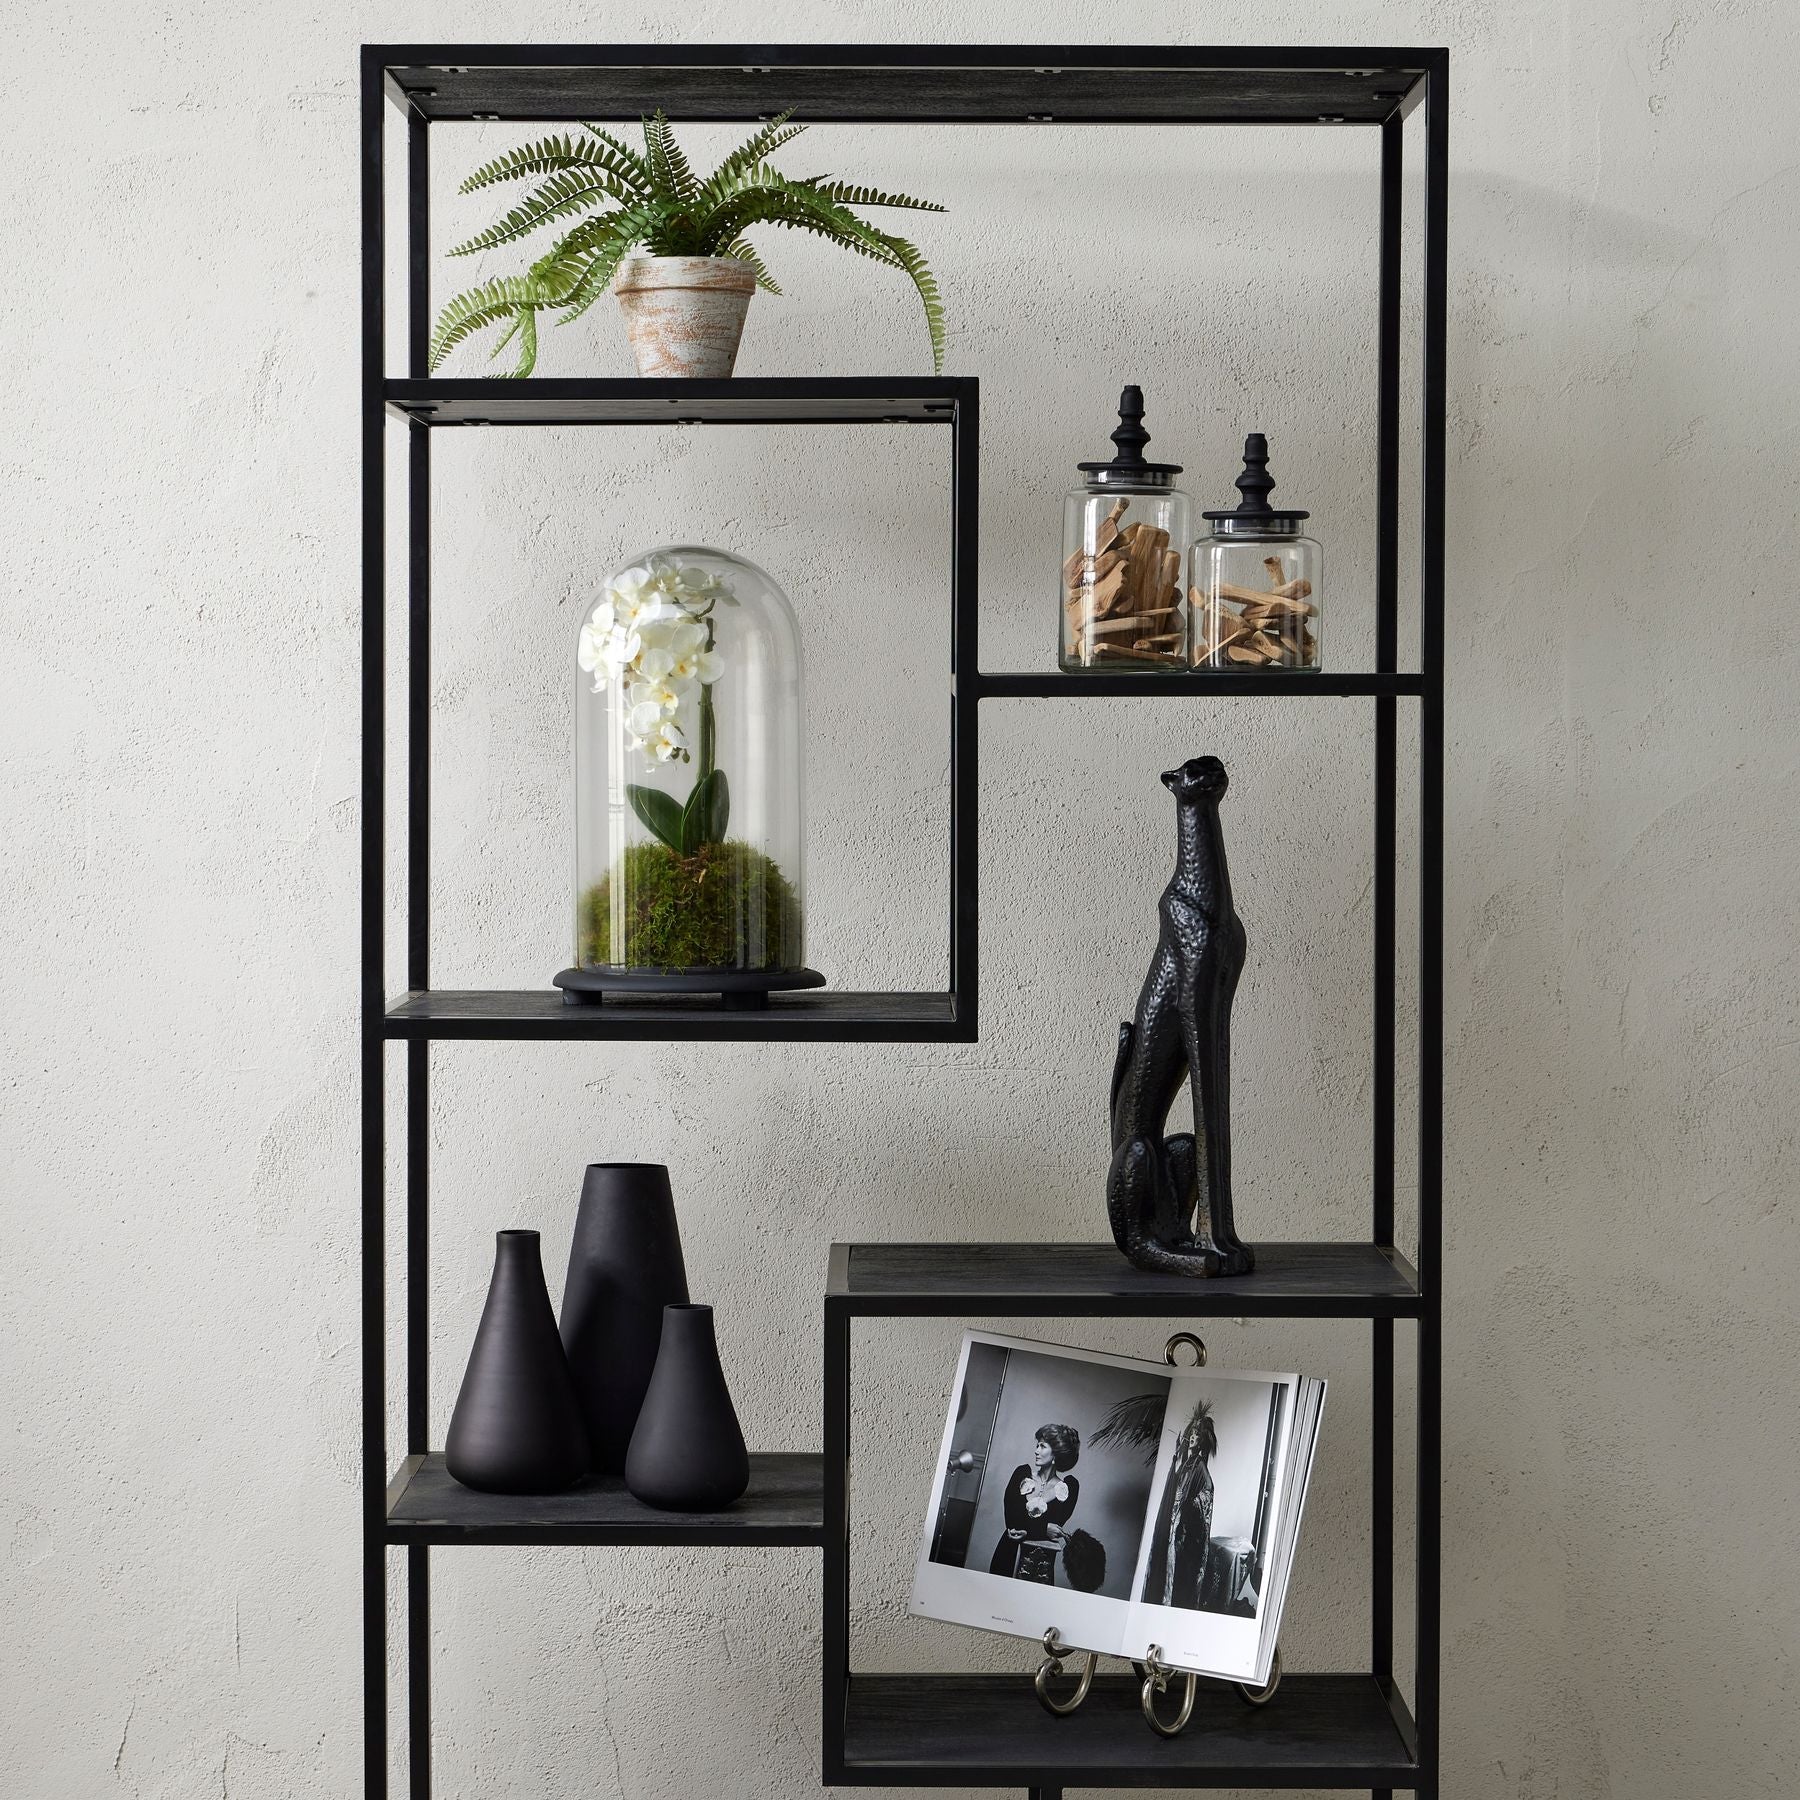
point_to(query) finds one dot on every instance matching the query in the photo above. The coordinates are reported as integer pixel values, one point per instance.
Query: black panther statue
(1182, 1030)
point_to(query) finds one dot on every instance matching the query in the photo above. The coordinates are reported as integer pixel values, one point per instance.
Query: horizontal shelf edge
(458, 402)
(530, 1015)
(987, 1730)
(1057, 684)
(784, 1509)
(1352, 1279)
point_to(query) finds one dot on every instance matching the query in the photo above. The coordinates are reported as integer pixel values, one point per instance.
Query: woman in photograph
(1183, 1569)
(1040, 1495)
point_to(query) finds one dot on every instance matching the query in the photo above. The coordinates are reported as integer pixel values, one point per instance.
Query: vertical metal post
(965, 731)
(1387, 616)
(835, 1557)
(374, 979)
(418, 941)
(1431, 915)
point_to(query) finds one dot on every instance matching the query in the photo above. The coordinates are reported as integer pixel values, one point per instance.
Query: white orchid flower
(656, 611)
(592, 641)
(648, 634)
(698, 664)
(626, 588)
(680, 635)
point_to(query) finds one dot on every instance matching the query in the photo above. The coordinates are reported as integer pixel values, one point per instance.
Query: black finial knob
(1254, 486)
(1129, 438)
(1256, 483)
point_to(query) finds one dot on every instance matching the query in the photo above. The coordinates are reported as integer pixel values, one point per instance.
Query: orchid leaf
(660, 813)
(708, 811)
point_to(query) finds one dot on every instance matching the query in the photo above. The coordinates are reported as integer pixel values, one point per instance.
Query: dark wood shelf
(1319, 1731)
(784, 1505)
(947, 1280)
(1299, 684)
(529, 1015)
(742, 400)
(916, 83)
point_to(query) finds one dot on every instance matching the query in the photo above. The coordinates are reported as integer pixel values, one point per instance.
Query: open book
(1126, 1503)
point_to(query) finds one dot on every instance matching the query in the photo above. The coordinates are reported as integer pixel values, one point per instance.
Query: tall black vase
(517, 1427)
(687, 1454)
(624, 1267)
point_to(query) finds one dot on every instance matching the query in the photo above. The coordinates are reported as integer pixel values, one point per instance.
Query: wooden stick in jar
(1243, 596)
(1138, 622)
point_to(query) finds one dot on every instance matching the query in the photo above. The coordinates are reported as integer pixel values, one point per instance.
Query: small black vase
(517, 1427)
(687, 1454)
(624, 1267)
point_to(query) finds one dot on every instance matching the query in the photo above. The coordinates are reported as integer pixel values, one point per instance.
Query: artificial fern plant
(656, 201)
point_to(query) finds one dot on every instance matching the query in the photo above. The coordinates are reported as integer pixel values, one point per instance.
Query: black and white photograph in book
(1211, 1529)
(1048, 1475)
(1123, 1502)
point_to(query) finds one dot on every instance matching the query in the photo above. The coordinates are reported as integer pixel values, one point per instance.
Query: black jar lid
(1128, 468)
(1253, 512)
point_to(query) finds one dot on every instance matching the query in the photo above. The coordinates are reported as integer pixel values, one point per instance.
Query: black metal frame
(1036, 84)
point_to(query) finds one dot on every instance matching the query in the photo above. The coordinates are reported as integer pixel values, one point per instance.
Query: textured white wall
(179, 706)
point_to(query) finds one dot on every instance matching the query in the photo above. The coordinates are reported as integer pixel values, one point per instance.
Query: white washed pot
(684, 314)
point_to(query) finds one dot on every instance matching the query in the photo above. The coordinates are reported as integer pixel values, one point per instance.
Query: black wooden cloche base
(738, 989)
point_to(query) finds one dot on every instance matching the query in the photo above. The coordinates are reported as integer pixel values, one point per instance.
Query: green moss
(725, 907)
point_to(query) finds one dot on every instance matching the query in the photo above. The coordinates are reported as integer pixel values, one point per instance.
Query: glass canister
(689, 829)
(1254, 580)
(1123, 532)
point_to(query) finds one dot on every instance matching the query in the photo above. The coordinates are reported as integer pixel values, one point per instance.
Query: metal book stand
(1153, 1673)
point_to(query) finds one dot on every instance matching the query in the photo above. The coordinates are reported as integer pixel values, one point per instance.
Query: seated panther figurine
(1182, 1031)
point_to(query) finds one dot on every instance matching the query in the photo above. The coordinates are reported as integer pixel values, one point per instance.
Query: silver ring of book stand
(1153, 1671)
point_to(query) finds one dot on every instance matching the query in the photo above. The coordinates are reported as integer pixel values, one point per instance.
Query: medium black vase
(687, 1454)
(517, 1427)
(624, 1267)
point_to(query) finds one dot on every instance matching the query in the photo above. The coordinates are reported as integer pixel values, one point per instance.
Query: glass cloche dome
(689, 834)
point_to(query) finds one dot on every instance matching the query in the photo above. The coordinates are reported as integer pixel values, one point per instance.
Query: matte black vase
(517, 1427)
(687, 1454)
(624, 1267)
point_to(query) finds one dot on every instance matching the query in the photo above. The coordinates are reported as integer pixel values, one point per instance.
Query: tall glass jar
(689, 830)
(1254, 580)
(1124, 530)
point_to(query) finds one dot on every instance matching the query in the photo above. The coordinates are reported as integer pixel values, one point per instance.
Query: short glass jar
(1254, 580)
(1124, 530)
(689, 828)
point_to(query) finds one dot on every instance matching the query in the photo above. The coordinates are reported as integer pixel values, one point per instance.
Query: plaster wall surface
(178, 712)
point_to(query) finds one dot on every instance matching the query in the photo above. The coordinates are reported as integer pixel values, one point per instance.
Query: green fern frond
(479, 307)
(669, 168)
(596, 277)
(630, 158)
(744, 254)
(548, 155)
(527, 343)
(847, 193)
(632, 225)
(802, 206)
(583, 264)
(758, 194)
(507, 336)
(756, 148)
(568, 191)
(908, 257)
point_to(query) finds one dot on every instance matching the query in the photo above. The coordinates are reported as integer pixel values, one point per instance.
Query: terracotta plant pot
(684, 314)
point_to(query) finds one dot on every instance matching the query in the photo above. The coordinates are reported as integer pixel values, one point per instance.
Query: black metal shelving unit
(1347, 1730)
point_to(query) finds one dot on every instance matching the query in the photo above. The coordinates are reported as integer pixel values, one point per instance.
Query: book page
(1217, 1507)
(1042, 1491)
